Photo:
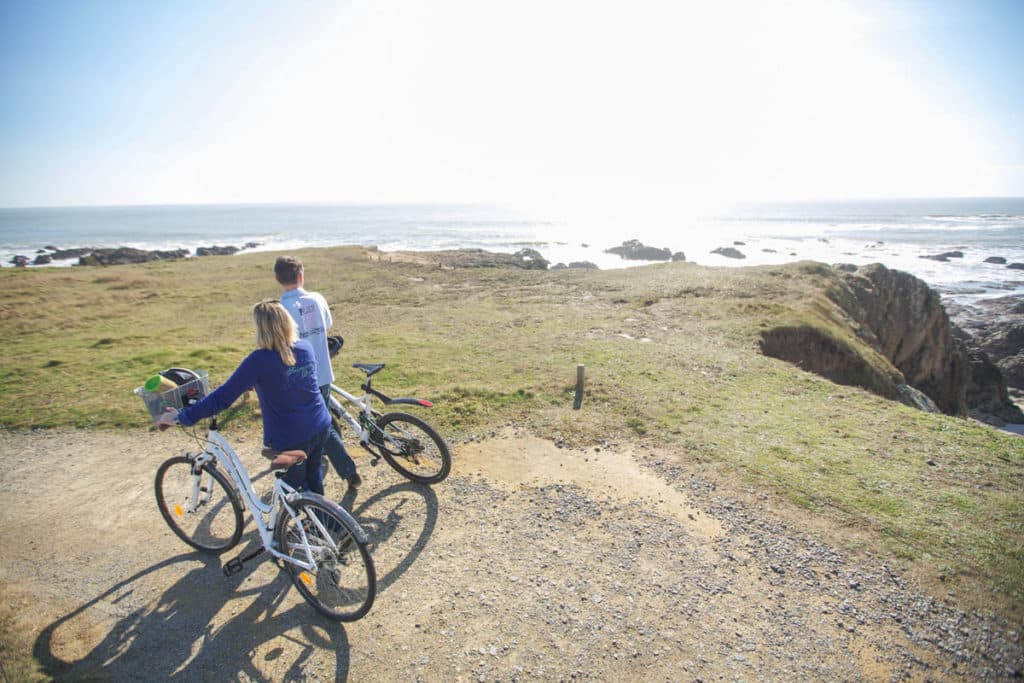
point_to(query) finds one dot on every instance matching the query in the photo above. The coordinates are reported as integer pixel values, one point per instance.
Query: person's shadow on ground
(176, 638)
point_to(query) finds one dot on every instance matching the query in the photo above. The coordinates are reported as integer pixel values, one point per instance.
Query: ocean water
(894, 232)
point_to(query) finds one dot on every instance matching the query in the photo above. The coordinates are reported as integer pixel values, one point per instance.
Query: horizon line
(285, 203)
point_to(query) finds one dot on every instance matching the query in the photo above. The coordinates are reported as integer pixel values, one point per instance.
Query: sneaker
(354, 481)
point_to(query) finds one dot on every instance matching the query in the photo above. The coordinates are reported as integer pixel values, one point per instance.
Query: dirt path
(529, 562)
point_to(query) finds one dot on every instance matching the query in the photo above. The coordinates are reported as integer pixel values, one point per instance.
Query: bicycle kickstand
(232, 567)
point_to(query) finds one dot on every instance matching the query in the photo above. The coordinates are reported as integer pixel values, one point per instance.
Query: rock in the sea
(986, 390)
(1012, 368)
(996, 327)
(1016, 266)
(42, 260)
(19, 261)
(945, 256)
(635, 250)
(122, 255)
(77, 252)
(996, 259)
(729, 252)
(678, 256)
(216, 251)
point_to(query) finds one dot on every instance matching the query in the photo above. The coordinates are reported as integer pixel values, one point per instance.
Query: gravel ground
(530, 562)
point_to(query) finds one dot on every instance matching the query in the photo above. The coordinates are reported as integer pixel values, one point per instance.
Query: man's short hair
(287, 269)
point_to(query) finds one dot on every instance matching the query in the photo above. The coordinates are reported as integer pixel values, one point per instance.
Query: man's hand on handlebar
(168, 419)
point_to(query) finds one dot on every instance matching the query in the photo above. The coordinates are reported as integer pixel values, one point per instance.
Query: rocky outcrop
(987, 396)
(122, 255)
(903, 318)
(64, 254)
(992, 331)
(93, 256)
(916, 399)
(530, 259)
(635, 250)
(729, 252)
(945, 256)
(216, 251)
(906, 348)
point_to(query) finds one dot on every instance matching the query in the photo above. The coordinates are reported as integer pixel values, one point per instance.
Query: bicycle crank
(232, 567)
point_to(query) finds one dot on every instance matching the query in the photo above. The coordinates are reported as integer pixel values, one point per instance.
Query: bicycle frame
(218, 450)
(365, 404)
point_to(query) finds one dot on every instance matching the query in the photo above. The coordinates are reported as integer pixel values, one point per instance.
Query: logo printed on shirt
(309, 321)
(297, 373)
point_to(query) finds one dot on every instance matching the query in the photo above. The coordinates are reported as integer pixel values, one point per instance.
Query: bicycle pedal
(232, 567)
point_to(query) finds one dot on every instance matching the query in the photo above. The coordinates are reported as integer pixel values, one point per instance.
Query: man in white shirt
(313, 317)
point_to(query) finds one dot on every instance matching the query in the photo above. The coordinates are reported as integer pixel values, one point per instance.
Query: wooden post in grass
(579, 388)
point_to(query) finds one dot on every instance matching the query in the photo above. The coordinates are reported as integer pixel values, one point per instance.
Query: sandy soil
(531, 562)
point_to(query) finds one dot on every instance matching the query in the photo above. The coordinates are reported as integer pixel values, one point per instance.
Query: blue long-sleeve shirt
(290, 399)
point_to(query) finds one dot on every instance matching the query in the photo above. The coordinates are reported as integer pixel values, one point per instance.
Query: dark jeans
(306, 475)
(335, 448)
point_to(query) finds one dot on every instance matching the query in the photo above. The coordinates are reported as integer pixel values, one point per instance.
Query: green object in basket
(159, 383)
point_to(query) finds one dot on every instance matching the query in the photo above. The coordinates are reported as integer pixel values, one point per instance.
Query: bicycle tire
(412, 447)
(344, 585)
(216, 524)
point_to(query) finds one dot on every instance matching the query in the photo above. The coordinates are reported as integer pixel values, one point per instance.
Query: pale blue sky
(547, 103)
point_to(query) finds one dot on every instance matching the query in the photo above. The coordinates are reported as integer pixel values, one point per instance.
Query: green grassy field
(671, 355)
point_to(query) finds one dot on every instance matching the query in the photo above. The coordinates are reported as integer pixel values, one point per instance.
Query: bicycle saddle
(369, 368)
(282, 460)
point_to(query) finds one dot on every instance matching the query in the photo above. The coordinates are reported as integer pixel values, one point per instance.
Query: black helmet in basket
(183, 376)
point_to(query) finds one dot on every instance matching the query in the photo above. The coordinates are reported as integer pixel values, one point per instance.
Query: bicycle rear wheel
(344, 582)
(412, 447)
(199, 505)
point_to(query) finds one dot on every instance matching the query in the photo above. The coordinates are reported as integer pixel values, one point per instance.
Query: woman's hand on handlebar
(168, 419)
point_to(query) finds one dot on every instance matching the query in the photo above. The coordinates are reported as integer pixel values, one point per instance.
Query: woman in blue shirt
(283, 371)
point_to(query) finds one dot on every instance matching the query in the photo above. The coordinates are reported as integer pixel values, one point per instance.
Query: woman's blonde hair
(275, 329)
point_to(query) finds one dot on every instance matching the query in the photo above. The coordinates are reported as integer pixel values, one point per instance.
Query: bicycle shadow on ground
(184, 635)
(399, 522)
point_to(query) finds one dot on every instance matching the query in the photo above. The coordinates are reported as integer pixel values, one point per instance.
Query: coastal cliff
(926, 359)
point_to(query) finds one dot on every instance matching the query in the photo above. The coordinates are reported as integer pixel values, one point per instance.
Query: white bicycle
(320, 544)
(406, 442)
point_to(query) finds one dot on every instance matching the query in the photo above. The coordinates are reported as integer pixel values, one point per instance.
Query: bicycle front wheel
(343, 584)
(412, 447)
(199, 505)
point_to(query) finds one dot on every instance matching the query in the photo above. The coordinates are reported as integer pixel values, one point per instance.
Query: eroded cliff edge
(904, 347)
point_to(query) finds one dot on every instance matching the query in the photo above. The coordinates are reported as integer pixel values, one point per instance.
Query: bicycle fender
(397, 401)
(349, 520)
(410, 402)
